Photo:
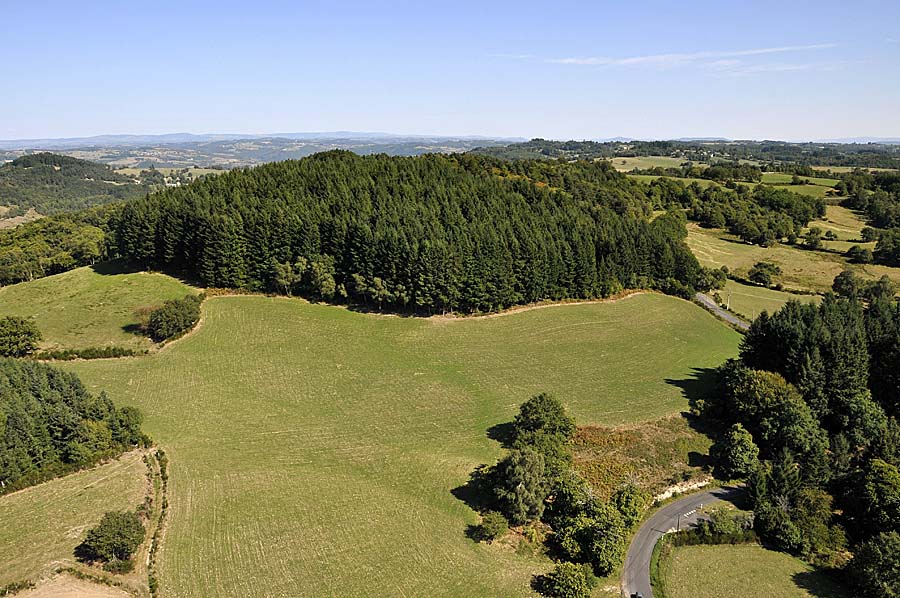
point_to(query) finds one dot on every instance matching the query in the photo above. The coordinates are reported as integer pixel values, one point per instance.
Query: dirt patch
(15, 221)
(66, 586)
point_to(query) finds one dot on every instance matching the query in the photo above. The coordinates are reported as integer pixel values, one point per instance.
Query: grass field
(749, 301)
(811, 190)
(802, 269)
(40, 526)
(841, 169)
(780, 178)
(647, 178)
(314, 449)
(84, 308)
(642, 162)
(742, 571)
(195, 172)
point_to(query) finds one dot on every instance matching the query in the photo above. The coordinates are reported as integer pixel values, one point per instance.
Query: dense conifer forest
(422, 234)
(50, 424)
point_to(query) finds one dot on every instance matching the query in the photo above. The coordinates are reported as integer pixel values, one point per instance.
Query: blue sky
(777, 70)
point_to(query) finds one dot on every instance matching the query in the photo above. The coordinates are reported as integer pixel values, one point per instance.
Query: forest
(52, 184)
(809, 417)
(425, 234)
(50, 424)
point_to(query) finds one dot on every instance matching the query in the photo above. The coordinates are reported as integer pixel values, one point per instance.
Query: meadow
(802, 269)
(40, 526)
(89, 307)
(749, 301)
(742, 571)
(316, 449)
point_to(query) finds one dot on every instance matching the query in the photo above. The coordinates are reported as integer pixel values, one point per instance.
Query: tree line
(424, 234)
(50, 424)
(810, 413)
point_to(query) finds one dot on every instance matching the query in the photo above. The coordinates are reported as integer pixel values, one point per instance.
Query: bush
(566, 580)
(493, 525)
(763, 273)
(18, 337)
(174, 318)
(119, 566)
(116, 537)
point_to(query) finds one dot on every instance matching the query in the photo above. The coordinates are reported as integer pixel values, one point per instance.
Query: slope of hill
(318, 448)
(51, 184)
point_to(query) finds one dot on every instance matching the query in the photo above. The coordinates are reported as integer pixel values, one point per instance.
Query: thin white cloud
(683, 59)
(512, 56)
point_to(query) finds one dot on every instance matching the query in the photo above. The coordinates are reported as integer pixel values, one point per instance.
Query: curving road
(711, 305)
(683, 512)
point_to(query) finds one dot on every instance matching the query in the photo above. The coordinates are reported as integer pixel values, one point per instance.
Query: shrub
(520, 486)
(736, 453)
(630, 502)
(174, 318)
(764, 273)
(493, 525)
(566, 580)
(116, 537)
(18, 337)
(119, 566)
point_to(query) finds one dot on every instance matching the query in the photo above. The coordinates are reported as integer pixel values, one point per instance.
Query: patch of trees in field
(52, 184)
(535, 486)
(423, 234)
(810, 409)
(720, 172)
(878, 196)
(762, 215)
(50, 424)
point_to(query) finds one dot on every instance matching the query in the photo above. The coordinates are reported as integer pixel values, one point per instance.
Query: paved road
(711, 305)
(636, 572)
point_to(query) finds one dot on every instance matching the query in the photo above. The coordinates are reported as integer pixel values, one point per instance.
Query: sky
(792, 70)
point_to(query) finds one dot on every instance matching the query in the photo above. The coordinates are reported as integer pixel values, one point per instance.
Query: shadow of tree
(820, 584)
(502, 433)
(476, 491)
(701, 385)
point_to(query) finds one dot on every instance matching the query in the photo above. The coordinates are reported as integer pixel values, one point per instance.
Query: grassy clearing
(40, 526)
(780, 178)
(642, 162)
(843, 222)
(842, 169)
(648, 178)
(84, 308)
(314, 447)
(802, 269)
(742, 571)
(749, 301)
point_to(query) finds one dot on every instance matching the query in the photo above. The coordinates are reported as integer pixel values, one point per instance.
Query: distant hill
(52, 184)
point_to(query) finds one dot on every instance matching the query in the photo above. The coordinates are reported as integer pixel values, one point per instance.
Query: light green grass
(843, 222)
(626, 164)
(40, 526)
(780, 178)
(750, 301)
(842, 169)
(742, 571)
(314, 449)
(801, 269)
(83, 308)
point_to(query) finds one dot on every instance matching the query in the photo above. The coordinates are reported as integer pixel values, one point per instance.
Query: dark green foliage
(630, 502)
(566, 580)
(859, 255)
(85, 353)
(493, 525)
(422, 234)
(887, 250)
(174, 318)
(18, 337)
(876, 566)
(543, 425)
(735, 453)
(881, 496)
(722, 527)
(520, 485)
(115, 538)
(50, 424)
(764, 273)
(119, 566)
(49, 246)
(52, 183)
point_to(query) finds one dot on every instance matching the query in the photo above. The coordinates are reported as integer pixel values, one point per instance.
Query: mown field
(811, 190)
(85, 308)
(749, 301)
(742, 571)
(314, 450)
(40, 526)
